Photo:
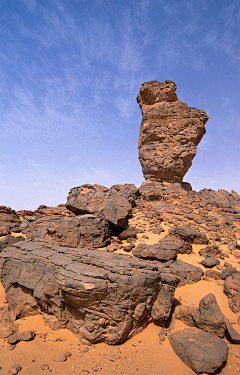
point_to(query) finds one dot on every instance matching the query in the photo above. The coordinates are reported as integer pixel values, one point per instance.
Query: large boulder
(82, 230)
(100, 201)
(166, 249)
(100, 296)
(156, 251)
(207, 316)
(201, 351)
(170, 132)
(189, 234)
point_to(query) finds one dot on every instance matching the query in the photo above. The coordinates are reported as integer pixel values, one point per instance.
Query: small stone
(111, 356)
(136, 343)
(61, 358)
(44, 367)
(11, 347)
(15, 369)
(97, 368)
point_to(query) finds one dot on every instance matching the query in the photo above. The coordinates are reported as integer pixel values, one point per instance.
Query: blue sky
(70, 71)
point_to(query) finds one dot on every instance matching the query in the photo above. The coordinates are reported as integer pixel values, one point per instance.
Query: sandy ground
(141, 355)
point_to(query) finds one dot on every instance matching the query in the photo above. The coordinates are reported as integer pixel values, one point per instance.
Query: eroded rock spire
(169, 134)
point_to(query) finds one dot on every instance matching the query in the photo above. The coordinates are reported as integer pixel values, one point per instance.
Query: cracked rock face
(170, 132)
(99, 296)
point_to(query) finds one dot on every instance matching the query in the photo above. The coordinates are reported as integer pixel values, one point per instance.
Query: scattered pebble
(15, 369)
(61, 358)
(44, 367)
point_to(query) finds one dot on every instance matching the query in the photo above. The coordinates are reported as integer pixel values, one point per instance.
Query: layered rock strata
(169, 134)
(99, 296)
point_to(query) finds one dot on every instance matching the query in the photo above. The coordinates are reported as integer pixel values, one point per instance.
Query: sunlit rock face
(169, 134)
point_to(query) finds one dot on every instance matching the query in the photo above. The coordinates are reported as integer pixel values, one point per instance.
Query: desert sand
(141, 355)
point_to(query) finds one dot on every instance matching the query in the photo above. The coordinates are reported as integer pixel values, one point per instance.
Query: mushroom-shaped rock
(170, 132)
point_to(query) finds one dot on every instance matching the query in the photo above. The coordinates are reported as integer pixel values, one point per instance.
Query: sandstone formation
(51, 262)
(110, 204)
(170, 132)
(207, 316)
(100, 296)
(201, 351)
(83, 230)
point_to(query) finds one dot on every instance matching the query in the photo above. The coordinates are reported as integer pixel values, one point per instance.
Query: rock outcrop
(170, 132)
(100, 296)
(83, 230)
(207, 316)
(111, 204)
(201, 351)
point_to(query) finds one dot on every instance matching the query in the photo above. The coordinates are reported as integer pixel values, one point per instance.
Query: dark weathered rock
(187, 273)
(185, 314)
(8, 220)
(100, 296)
(213, 274)
(170, 132)
(232, 290)
(128, 233)
(207, 316)
(201, 351)
(7, 327)
(21, 336)
(9, 240)
(162, 307)
(82, 230)
(129, 191)
(210, 262)
(227, 272)
(155, 191)
(211, 250)
(189, 234)
(101, 201)
(173, 242)
(232, 335)
(157, 251)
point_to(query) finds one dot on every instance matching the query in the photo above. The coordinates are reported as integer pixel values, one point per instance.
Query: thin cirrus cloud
(70, 72)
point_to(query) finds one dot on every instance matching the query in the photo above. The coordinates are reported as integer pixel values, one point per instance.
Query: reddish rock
(8, 220)
(82, 230)
(170, 132)
(189, 234)
(98, 295)
(101, 201)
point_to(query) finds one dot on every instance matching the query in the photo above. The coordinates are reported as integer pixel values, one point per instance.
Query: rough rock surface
(201, 351)
(232, 290)
(101, 201)
(8, 220)
(210, 262)
(100, 296)
(189, 234)
(187, 273)
(7, 327)
(82, 230)
(207, 316)
(170, 132)
(157, 252)
(9, 240)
